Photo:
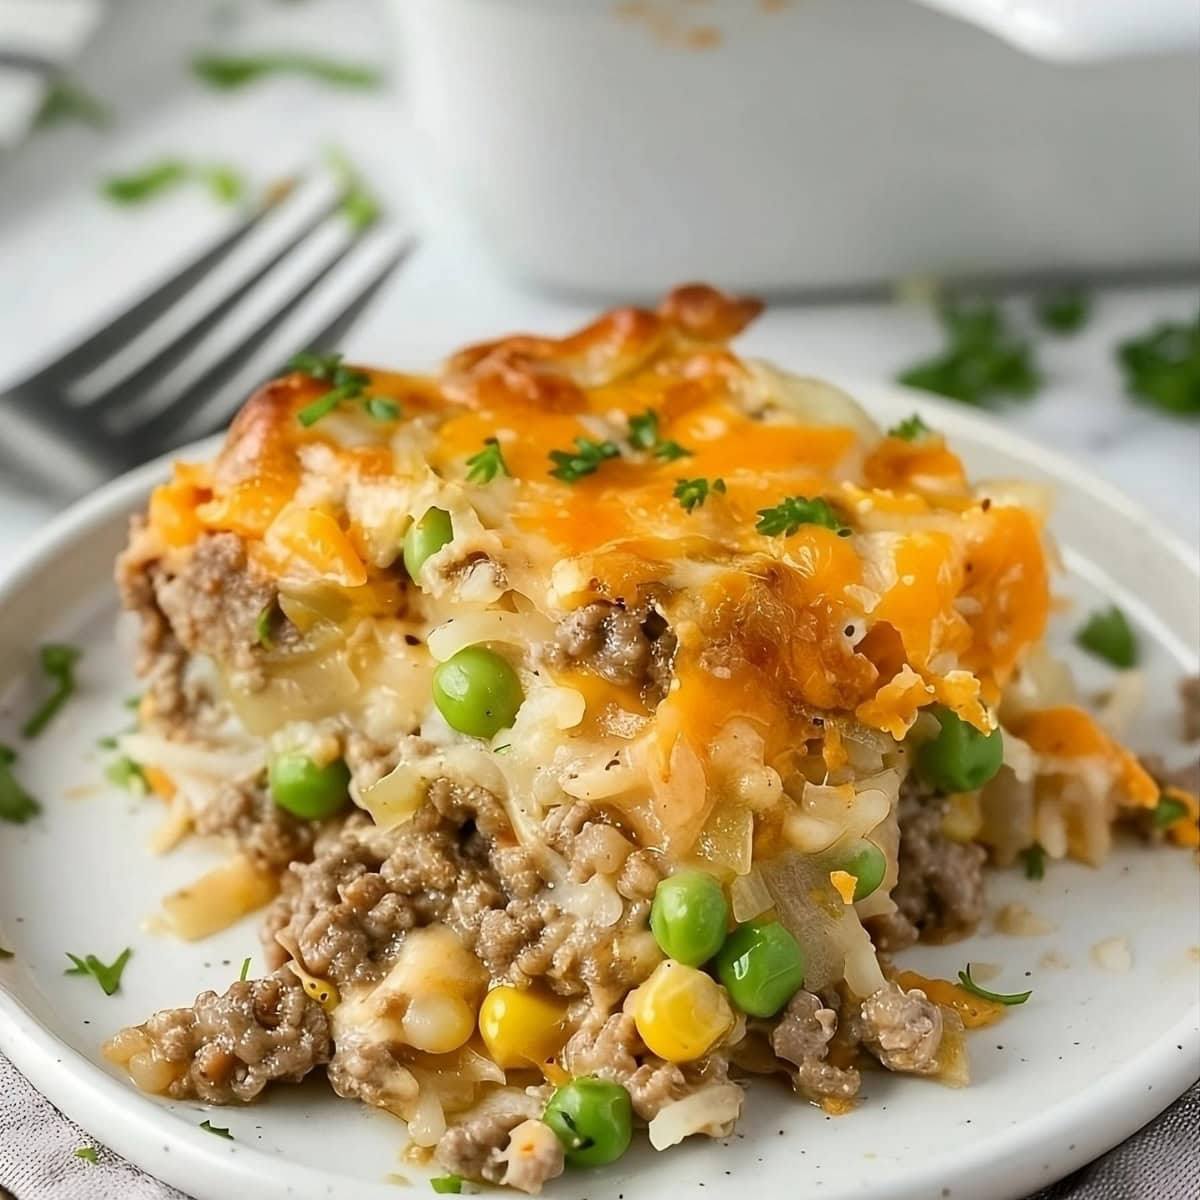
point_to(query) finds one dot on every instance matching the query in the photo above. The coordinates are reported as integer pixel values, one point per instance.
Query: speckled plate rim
(1007, 1165)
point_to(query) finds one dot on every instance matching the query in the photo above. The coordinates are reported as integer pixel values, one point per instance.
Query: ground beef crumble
(623, 645)
(939, 894)
(229, 1047)
(903, 1029)
(802, 1038)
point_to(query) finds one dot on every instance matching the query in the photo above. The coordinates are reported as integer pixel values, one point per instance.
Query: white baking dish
(609, 147)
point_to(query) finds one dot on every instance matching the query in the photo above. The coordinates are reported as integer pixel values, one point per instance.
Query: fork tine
(333, 307)
(184, 402)
(169, 335)
(126, 325)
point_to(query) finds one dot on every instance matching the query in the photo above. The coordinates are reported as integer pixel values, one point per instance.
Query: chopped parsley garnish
(88, 1154)
(5, 953)
(670, 451)
(1065, 310)
(911, 429)
(382, 408)
(446, 1185)
(108, 977)
(245, 970)
(58, 662)
(16, 804)
(231, 71)
(788, 515)
(69, 102)
(571, 466)
(133, 702)
(359, 205)
(1162, 367)
(643, 435)
(1107, 635)
(347, 383)
(1167, 811)
(982, 360)
(643, 430)
(127, 774)
(224, 182)
(264, 625)
(487, 464)
(140, 186)
(1010, 999)
(1033, 858)
(209, 1127)
(692, 493)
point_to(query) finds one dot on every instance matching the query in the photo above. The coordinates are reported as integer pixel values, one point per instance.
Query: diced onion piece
(174, 828)
(393, 799)
(472, 629)
(426, 1118)
(712, 1110)
(862, 972)
(219, 898)
(749, 896)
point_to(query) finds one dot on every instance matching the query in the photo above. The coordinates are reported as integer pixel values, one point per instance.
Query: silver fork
(292, 275)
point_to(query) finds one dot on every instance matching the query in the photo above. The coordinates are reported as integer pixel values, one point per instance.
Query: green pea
(425, 538)
(689, 917)
(960, 758)
(307, 790)
(593, 1119)
(477, 692)
(868, 865)
(762, 967)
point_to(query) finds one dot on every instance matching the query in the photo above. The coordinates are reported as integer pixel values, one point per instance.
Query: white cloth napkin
(38, 1162)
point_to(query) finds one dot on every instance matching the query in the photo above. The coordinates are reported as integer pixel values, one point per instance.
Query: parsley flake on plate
(58, 663)
(65, 102)
(1033, 858)
(217, 1130)
(982, 359)
(692, 493)
(1063, 311)
(88, 1154)
(1107, 635)
(5, 953)
(245, 970)
(107, 976)
(571, 466)
(126, 774)
(789, 514)
(489, 462)
(16, 804)
(446, 1185)
(1162, 367)
(224, 182)
(228, 72)
(1007, 999)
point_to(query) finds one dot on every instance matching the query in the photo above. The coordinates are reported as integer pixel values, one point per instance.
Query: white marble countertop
(77, 256)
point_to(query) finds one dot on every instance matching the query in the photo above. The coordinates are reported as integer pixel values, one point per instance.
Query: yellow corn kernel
(522, 1027)
(323, 991)
(964, 817)
(680, 1012)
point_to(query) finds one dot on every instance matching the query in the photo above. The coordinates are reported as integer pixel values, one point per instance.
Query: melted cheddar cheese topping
(930, 593)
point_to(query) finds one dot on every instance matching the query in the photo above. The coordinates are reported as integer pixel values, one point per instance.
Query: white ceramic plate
(1090, 1058)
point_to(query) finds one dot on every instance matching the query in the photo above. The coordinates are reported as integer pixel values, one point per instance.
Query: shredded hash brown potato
(465, 666)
